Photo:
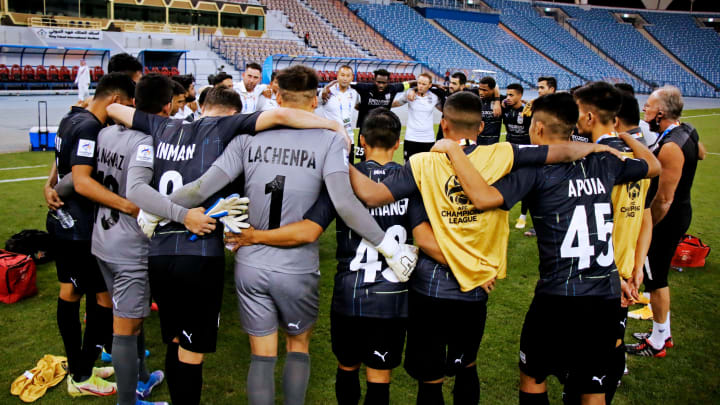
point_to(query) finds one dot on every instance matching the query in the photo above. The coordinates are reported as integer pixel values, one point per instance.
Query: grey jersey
(116, 236)
(284, 172)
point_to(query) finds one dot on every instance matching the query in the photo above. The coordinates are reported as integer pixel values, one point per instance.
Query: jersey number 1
(275, 188)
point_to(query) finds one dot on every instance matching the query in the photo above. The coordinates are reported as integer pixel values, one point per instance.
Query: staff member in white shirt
(420, 134)
(341, 102)
(268, 103)
(250, 88)
(83, 80)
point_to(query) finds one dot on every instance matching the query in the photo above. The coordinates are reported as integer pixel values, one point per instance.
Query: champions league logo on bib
(455, 192)
(463, 211)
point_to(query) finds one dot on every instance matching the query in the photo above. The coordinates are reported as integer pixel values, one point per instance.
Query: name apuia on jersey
(166, 151)
(110, 158)
(580, 187)
(396, 208)
(282, 156)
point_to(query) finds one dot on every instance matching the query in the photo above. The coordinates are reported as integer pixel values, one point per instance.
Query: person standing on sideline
(420, 134)
(678, 149)
(341, 103)
(82, 80)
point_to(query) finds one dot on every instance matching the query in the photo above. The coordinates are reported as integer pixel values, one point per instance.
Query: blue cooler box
(40, 141)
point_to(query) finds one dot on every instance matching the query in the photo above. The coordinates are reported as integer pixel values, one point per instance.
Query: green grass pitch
(688, 375)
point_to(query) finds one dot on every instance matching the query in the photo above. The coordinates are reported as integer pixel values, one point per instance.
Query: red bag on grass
(690, 252)
(17, 277)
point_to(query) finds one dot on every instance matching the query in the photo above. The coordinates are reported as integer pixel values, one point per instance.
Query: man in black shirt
(517, 126)
(70, 223)
(678, 149)
(493, 122)
(579, 287)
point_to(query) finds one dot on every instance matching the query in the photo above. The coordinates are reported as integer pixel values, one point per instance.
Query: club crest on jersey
(86, 148)
(455, 192)
(633, 190)
(591, 186)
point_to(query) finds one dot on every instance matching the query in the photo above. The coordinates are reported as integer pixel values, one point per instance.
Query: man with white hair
(678, 149)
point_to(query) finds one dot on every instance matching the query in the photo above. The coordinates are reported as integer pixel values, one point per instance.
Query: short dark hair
(220, 77)
(515, 86)
(460, 76)
(345, 67)
(253, 65)
(381, 72)
(177, 88)
(627, 87)
(463, 110)
(222, 96)
(489, 81)
(629, 112)
(273, 76)
(603, 97)
(184, 80)
(551, 81)
(152, 93)
(381, 128)
(124, 63)
(561, 110)
(115, 82)
(574, 89)
(203, 95)
(297, 83)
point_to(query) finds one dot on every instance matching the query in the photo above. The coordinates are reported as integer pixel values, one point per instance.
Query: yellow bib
(474, 242)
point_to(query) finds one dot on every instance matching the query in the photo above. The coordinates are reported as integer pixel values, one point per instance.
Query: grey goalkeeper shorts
(268, 300)
(129, 288)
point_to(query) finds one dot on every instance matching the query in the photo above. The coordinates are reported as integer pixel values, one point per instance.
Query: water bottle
(66, 220)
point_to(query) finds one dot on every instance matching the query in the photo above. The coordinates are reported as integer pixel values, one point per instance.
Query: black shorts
(76, 265)
(443, 335)
(518, 139)
(356, 151)
(571, 338)
(666, 236)
(410, 148)
(376, 342)
(621, 322)
(188, 291)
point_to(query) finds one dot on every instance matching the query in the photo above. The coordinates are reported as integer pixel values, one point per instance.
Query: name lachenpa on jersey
(175, 153)
(591, 186)
(282, 156)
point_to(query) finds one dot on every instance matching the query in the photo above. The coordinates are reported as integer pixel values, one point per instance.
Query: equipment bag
(31, 242)
(17, 277)
(690, 252)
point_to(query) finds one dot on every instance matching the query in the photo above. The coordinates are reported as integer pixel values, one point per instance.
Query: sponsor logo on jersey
(581, 187)
(283, 156)
(86, 148)
(144, 154)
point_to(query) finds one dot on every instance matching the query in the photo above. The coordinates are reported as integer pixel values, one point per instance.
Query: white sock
(522, 217)
(660, 332)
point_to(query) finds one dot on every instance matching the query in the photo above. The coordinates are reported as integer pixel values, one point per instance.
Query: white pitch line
(698, 116)
(22, 167)
(23, 179)
(713, 153)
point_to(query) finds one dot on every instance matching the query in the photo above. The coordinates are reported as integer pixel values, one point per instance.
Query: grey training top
(116, 237)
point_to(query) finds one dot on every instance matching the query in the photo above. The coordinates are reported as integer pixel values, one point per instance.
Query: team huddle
(150, 187)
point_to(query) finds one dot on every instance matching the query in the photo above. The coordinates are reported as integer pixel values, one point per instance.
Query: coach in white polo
(341, 101)
(420, 134)
(250, 88)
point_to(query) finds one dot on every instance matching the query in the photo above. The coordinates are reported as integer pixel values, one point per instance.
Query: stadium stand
(407, 30)
(241, 51)
(350, 25)
(627, 46)
(303, 21)
(703, 57)
(545, 35)
(501, 48)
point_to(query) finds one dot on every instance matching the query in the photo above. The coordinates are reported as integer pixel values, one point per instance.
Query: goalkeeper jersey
(284, 173)
(473, 242)
(116, 236)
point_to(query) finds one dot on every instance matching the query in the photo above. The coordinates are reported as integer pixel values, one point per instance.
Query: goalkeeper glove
(224, 208)
(401, 258)
(148, 222)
